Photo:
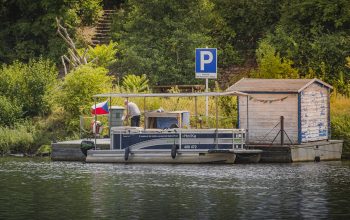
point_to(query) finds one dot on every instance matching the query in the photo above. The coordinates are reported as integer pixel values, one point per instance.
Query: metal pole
(110, 115)
(247, 134)
(195, 110)
(95, 123)
(282, 131)
(206, 98)
(216, 122)
(216, 113)
(144, 113)
(127, 110)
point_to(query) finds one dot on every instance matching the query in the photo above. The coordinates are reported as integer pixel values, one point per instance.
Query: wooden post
(282, 131)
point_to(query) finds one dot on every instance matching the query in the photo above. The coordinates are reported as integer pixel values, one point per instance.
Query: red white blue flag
(100, 108)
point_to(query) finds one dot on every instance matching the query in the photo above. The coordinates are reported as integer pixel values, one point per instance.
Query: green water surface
(41, 189)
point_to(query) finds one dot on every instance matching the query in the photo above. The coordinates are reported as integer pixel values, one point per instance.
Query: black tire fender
(173, 151)
(126, 153)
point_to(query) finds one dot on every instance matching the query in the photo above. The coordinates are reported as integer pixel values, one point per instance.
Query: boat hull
(161, 156)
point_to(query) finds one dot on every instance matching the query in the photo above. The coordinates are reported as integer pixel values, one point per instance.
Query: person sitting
(133, 112)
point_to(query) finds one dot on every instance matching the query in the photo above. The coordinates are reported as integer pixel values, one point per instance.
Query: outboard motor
(86, 145)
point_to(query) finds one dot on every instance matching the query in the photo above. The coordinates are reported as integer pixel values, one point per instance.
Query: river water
(41, 189)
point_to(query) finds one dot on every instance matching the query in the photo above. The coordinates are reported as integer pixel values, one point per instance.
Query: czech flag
(101, 108)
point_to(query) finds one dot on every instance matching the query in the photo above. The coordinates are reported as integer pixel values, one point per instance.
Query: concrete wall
(314, 113)
(264, 111)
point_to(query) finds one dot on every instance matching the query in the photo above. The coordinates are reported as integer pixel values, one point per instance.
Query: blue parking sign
(206, 63)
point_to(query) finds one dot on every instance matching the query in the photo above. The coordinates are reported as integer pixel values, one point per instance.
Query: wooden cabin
(303, 103)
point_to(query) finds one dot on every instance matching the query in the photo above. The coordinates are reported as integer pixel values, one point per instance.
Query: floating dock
(70, 150)
(312, 151)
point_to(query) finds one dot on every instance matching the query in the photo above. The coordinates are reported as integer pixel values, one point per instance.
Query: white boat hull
(161, 156)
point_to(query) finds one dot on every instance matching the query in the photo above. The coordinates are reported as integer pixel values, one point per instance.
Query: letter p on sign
(206, 63)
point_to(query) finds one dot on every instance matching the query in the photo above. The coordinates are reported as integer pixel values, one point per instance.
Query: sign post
(206, 68)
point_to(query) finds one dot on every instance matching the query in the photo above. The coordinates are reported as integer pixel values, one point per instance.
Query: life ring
(126, 153)
(173, 151)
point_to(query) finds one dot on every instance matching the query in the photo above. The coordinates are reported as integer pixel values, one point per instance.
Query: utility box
(304, 104)
(116, 116)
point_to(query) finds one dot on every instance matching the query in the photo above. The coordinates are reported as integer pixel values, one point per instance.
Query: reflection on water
(40, 189)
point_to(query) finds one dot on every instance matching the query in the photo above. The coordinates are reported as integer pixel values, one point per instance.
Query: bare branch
(64, 65)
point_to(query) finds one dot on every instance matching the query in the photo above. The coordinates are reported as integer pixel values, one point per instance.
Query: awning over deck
(140, 95)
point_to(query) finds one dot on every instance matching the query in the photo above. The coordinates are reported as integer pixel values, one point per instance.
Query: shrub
(76, 91)
(29, 84)
(10, 112)
(135, 84)
(104, 55)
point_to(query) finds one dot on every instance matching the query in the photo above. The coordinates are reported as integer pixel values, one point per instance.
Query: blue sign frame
(206, 63)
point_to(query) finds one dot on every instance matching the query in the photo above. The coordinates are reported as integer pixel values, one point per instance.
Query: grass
(340, 121)
(19, 139)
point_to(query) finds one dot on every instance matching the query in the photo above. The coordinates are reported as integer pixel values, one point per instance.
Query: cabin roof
(195, 94)
(274, 85)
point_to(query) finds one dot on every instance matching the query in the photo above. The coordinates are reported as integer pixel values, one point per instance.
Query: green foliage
(19, 139)
(28, 27)
(89, 11)
(76, 91)
(314, 34)
(271, 65)
(158, 38)
(340, 120)
(135, 84)
(246, 22)
(104, 55)
(29, 85)
(348, 62)
(44, 149)
(9, 112)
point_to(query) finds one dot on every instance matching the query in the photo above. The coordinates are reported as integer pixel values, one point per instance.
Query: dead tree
(74, 58)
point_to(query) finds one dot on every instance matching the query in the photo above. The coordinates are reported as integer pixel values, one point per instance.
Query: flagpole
(95, 123)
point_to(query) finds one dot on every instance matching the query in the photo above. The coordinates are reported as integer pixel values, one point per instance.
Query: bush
(10, 112)
(271, 65)
(29, 84)
(76, 91)
(104, 55)
(135, 84)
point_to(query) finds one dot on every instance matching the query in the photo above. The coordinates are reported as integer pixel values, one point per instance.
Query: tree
(158, 38)
(314, 34)
(28, 27)
(271, 65)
